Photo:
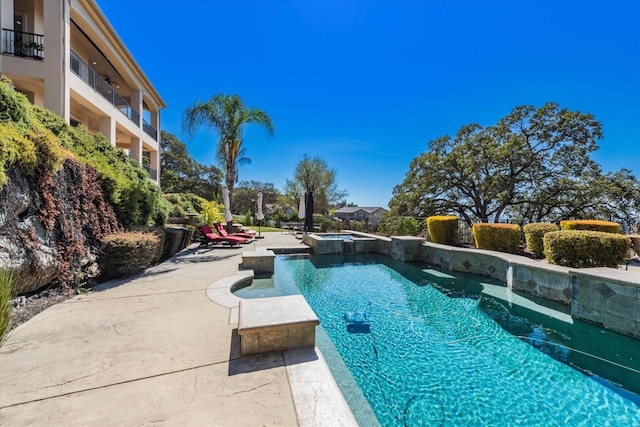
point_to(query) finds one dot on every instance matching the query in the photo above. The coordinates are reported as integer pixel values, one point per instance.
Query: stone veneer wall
(608, 303)
(612, 304)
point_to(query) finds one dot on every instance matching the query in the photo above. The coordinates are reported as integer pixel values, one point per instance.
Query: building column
(107, 127)
(57, 42)
(136, 150)
(155, 122)
(136, 103)
(154, 162)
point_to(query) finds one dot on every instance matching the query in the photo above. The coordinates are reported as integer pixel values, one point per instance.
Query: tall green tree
(246, 196)
(533, 164)
(227, 115)
(314, 174)
(180, 173)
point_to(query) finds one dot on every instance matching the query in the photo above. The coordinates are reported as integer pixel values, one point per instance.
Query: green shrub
(14, 106)
(15, 150)
(533, 234)
(127, 253)
(136, 199)
(586, 248)
(593, 225)
(392, 225)
(497, 237)
(443, 229)
(7, 292)
(212, 212)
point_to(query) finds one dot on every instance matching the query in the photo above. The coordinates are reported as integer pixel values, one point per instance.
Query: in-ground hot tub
(338, 243)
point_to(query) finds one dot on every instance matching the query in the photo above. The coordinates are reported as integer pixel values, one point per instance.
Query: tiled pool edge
(606, 297)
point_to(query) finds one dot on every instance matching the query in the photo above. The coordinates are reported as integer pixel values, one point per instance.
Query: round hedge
(590, 224)
(497, 237)
(443, 229)
(586, 248)
(533, 234)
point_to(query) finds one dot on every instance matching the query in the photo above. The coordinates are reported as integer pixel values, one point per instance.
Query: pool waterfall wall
(594, 295)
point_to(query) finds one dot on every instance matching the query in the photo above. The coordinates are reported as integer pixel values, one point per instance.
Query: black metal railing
(19, 43)
(150, 130)
(100, 85)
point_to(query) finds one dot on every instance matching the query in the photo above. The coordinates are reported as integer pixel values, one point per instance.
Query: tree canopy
(313, 174)
(246, 196)
(227, 115)
(180, 173)
(533, 164)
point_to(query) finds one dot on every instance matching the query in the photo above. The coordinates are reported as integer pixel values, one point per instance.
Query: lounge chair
(221, 231)
(212, 237)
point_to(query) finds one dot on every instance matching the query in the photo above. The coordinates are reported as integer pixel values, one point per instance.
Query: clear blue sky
(367, 84)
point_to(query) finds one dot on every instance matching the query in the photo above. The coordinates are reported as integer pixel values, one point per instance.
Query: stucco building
(64, 55)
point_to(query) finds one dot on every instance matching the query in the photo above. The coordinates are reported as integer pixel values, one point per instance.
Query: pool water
(452, 351)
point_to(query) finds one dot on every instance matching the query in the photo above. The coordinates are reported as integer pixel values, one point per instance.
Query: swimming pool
(437, 351)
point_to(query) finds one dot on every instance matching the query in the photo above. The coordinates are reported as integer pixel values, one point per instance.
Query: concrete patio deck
(154, 349)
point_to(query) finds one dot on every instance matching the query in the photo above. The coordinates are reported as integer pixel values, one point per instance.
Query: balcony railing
(150, 130)
(19, 43)
(100, 85)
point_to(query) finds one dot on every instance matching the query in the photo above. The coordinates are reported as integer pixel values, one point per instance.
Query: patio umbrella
(259, 215)
(308, 220)
(301, 208)
(227, 209)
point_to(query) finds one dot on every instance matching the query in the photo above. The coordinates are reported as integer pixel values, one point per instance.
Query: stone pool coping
(316, 395)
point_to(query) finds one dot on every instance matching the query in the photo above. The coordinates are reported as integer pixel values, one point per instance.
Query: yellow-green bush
(443, 229)
(588, 224)
(212, 212)
(497, 237)
(127, 253)
(586, 248)
(533, 234)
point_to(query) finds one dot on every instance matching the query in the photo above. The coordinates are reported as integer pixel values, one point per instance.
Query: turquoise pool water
(450, 351)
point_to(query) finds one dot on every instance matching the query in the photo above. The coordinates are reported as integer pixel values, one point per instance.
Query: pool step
(276, 324)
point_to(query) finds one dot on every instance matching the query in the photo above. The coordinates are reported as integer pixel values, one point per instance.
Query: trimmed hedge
(588, 224)
(586, 248)
(497, 237)
(443, 229)
(128, 253)
(533, 234)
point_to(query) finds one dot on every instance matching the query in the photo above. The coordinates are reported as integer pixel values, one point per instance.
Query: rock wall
(50, 225)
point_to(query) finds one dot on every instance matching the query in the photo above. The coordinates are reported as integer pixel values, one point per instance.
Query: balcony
(149, 130)
(100, 85)
(19, 43)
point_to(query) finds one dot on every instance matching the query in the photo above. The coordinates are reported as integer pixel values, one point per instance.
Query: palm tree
(227, 115)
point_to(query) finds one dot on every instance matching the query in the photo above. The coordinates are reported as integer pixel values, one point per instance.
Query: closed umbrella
(308, 220)
(259, 215)
(301, 208)
(227, 209)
